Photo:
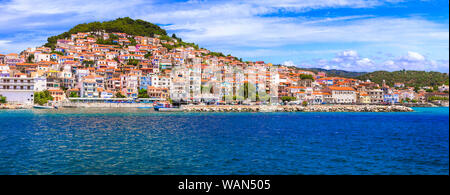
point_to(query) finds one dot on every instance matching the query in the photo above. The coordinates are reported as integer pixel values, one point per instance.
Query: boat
(44, 107)
(165, 107)
(169, 109)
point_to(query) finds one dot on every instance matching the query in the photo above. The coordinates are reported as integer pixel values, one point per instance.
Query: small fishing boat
(165, 107)
(44, 107)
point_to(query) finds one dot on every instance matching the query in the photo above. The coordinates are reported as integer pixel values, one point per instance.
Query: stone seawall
(104, 105)
(15, 106)
(297, 108)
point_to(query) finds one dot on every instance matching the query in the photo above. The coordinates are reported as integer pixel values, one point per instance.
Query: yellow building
(364, 98)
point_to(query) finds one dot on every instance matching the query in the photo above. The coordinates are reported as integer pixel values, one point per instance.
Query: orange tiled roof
(341, 88)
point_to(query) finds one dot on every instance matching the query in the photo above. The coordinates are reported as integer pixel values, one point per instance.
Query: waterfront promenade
(297, 108)
(238, 108)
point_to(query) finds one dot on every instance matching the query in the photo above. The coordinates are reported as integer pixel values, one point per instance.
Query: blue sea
(141, 141)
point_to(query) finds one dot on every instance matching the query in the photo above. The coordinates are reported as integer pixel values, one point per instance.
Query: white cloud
(351, 61)
(317, 4)
(4, 42)
(242, 28)
(413, 57)
(288, 63)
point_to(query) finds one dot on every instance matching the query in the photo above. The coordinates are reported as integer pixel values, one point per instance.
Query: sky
(353, 35)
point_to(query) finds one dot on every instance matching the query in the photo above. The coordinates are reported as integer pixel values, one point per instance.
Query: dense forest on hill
(410, 78)
(123, 25)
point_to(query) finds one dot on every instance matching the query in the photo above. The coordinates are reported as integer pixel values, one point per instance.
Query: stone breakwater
(298, 108)
(14, 106)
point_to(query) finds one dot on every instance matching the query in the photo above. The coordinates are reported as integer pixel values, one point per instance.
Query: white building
(17, 90)
(39, 57)
(342, 95)
(161, 81)
(40, 84)
(178, 89)
(443, 88)
(89, 87)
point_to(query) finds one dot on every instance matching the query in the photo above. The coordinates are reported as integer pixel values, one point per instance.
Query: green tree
(435, 88)
(133, 62)
(306, 76)
(73, 94)
(217, 54)
(408, 77)
(88, 63)
(113, 37)
(124, 25)
(2, 99)
(58, 52)
(119, 95)
(148, 55)
(42, 97)
(432, 98)
(132, 40)
(142, 93)
(288, 98)
(30, 58)
(304, 103)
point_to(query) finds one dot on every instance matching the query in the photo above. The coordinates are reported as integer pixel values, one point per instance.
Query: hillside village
(116, 67)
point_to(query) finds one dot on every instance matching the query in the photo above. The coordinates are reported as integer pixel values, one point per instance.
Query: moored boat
(44, 107)
(169, 109)
(166, 107)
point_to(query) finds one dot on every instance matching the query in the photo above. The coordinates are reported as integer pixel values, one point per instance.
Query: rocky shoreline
(298, 108)
(14, 106)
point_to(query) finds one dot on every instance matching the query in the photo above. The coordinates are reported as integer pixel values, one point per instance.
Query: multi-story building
(342, 95)
(144, 82)
(158, 92)
(17, 90)
(89, 87)
(376, 96)
(57, 94)
(391, 98)
(364, 98)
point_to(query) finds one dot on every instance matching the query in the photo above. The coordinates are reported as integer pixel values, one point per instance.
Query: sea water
(141, 141)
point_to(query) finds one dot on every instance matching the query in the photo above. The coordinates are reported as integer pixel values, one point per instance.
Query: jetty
(296, 108)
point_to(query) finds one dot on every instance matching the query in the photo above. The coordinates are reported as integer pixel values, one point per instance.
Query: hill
(121, 25)
(143, 28)
(409, 78)
(336, 73)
